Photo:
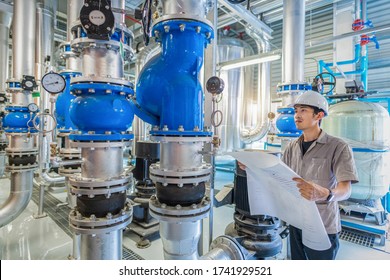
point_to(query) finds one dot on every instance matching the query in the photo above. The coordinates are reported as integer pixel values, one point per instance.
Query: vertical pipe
(364, 77)
(73, 63)
(293, 41)
(119, 4)
(23, 32)
(107, 246)
(43, 56)
(23, 40)
(5, 23)
(180, 240)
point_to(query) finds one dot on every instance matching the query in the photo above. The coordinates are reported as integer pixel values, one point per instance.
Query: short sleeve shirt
(329, 160)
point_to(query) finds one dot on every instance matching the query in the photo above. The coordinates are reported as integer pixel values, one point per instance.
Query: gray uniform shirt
(328, 160)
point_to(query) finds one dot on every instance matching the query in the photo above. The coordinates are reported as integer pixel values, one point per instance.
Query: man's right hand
(241, 165)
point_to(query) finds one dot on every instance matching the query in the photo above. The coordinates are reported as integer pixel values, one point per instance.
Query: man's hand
(311, 191)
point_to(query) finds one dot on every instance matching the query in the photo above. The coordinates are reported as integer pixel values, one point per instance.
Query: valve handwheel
(324, 79)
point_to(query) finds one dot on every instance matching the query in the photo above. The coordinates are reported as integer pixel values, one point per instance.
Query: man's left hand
(311, 191)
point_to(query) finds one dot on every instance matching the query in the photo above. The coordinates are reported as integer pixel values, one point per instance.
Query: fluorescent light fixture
(250, 60)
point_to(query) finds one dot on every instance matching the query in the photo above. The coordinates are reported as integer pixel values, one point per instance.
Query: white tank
(366, 128)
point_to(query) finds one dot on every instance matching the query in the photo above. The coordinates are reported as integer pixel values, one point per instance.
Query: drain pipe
(22, 150)
(263, 93)
(102, 113)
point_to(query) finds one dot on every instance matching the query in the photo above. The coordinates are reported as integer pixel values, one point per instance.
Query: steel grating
(360, 238)
(59, 214)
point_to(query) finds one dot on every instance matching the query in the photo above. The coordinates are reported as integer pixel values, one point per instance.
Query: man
(327, 168)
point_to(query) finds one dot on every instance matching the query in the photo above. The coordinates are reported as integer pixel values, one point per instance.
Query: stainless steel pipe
(20, 195)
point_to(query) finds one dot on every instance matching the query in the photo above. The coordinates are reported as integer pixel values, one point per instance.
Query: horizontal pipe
(331, 39)
(248, 17)
(50, 179)
(250, 60)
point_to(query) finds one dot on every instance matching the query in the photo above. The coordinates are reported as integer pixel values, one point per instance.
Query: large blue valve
(168, 88)
(101, 111)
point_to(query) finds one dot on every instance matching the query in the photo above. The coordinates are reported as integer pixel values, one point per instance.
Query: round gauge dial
(33, 108)
(53, 82)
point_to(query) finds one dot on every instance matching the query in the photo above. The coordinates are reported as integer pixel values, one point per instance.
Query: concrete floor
(29, 238)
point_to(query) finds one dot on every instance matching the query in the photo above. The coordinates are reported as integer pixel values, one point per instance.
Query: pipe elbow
(14, 206)
(256, 134)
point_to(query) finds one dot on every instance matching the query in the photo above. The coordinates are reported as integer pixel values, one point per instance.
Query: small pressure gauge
(33, 108)
(28, 83)
(215, 85)
(53, 83)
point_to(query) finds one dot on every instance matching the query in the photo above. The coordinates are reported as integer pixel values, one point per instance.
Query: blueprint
(272, 191)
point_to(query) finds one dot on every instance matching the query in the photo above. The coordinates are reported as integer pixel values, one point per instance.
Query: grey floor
(49, 238)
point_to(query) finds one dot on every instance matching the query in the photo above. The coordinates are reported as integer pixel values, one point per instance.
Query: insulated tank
(237, 81)
(366, 128)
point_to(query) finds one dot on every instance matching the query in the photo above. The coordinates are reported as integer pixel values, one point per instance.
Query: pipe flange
(15, 152)
(101, 80)
(21, 168)
(230, 246)
(68, 172)
(184, 18)
(66, 50)
(13, 86)
(63, 134)
(285, 89)
(180, 181)
(90, 187)
(93, 225)
(173, 139)
(256, 222)
(192, 213)
(204, 169)
(70, 153)
(101, 145)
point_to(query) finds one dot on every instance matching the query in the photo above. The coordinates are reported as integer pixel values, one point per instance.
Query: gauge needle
(52, 83)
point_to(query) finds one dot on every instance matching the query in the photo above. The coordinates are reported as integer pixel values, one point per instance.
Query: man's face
(305, 118)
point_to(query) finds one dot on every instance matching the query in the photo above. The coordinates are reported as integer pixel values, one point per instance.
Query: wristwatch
(330, 196)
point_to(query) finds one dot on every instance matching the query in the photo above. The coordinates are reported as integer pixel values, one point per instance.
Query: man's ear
(320, 115)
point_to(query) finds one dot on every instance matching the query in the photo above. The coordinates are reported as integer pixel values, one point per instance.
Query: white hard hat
(314, 99)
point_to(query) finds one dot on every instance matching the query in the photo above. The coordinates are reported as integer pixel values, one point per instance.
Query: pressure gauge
(53, 83)
(215, 85)
(33, 108)
(28, 83)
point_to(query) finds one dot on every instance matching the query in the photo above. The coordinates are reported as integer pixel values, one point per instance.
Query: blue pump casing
(168, 89)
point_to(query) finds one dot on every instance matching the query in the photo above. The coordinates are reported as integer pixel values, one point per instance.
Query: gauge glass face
(53, 83)
(29, 84)
(32, 107)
